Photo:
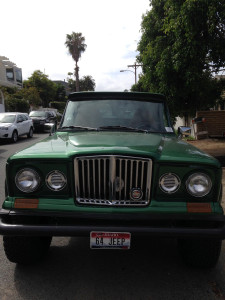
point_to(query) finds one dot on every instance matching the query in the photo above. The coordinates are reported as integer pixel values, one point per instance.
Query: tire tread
(25, 250)
(202, 253)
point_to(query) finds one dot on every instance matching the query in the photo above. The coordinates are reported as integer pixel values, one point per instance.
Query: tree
(31, 95)
(60, 92)
(75, 43)
(45, 87)
(71, 84)
(181, 46)
(86, 83)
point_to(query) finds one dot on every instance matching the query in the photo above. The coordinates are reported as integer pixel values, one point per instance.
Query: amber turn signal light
(199, 207)
(26, 203)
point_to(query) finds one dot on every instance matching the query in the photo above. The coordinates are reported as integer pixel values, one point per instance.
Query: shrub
(16, 105)
(58, 105)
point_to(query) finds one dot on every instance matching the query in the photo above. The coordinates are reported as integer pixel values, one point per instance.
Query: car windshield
(7, 118)
(37, 114)
(116, 115)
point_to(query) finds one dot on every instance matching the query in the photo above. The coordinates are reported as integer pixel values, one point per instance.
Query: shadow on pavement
(151, 270)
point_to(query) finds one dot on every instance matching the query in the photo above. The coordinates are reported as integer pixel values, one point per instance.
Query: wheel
(30, 133)
(26, 250)
(14, 138)
(203, 253)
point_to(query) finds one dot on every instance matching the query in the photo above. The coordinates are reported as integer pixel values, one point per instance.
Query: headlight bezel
(47, 180)
(177, 178)
(36, 175)
(202, 194)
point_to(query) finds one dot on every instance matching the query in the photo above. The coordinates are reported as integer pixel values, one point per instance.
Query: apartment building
(10, 74)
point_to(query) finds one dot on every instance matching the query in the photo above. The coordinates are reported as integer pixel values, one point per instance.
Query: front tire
(14, 138)
(201, 253)
(30, 134)
(26, 250)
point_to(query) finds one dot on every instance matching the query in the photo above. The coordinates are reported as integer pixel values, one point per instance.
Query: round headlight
(169, 183)
(27, 180)
(56, 180)
(199, 184)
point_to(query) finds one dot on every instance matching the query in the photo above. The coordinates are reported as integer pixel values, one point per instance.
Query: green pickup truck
(113, 169)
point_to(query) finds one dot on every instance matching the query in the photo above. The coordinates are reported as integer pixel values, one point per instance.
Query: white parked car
(13, 125)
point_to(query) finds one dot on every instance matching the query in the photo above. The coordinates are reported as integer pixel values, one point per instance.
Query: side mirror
(49, 127)
(184, 131)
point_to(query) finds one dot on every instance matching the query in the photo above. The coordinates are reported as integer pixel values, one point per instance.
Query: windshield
(117, 114)
(7, 118)
(37, 114)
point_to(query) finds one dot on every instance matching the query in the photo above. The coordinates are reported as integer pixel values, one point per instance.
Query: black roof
(117, 95)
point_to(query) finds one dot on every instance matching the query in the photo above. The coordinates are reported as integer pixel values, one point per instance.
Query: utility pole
(135, 66)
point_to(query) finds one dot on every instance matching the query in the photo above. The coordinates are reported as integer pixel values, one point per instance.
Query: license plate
(110, 240)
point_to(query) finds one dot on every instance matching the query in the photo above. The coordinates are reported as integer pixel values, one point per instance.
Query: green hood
(164, 148)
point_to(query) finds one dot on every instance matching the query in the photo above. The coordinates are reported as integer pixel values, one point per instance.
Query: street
(150, 270)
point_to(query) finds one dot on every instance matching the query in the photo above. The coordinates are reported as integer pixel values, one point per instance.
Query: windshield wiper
(125, 128)
(77, 128)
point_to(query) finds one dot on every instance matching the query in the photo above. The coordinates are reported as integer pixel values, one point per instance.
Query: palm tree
(75, 43)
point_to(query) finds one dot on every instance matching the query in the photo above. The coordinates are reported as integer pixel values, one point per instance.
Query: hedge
(16, 105)
(58, 105)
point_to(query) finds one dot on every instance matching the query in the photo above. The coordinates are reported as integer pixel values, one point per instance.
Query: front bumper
(5, 134)
(38, 126)
(47, 223)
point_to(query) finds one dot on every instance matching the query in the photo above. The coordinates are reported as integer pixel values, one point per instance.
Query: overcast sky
(33, 33)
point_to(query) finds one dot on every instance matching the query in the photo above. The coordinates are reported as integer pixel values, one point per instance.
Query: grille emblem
(136, 194)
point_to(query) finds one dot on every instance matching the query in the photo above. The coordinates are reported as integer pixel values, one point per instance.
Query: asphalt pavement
(152, 269)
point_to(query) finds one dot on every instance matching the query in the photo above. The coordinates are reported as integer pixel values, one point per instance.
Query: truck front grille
(113, 180)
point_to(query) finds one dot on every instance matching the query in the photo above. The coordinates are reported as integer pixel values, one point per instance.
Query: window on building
(18, 75)
(10, 74)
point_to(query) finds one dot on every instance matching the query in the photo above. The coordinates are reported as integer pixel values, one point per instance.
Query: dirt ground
(214, 147)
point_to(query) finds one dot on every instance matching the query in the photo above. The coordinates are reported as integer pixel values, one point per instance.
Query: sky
(33, 34)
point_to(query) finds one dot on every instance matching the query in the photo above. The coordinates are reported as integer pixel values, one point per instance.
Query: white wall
(180, 121)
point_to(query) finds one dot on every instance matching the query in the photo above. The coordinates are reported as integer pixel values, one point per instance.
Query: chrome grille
(111, 179)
